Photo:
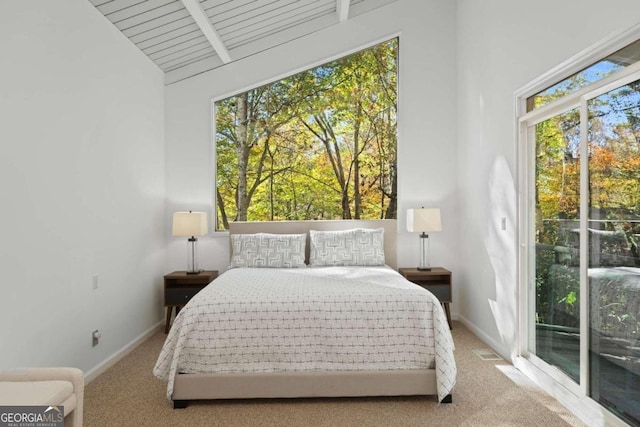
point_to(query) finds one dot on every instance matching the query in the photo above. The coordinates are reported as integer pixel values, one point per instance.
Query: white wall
(427, 121)
(502, 45)
(82, 186)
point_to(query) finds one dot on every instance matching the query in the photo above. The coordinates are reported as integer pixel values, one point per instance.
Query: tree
(613, 191)
(319, 144)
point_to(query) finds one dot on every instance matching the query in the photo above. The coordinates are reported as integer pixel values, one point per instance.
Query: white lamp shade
(423, 220)
(190, 224)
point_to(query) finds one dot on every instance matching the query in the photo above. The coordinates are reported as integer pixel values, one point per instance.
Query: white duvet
(310, 319)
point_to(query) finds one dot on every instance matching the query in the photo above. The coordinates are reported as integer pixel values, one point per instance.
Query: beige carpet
(128, 395)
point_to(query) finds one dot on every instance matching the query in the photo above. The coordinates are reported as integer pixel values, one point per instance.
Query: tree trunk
(392, 208)
(328, 138)
(242, 153)
(271, 207)
(223, 212)
(356, 161)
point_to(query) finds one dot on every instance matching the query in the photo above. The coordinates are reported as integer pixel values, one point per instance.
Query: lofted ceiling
(188, 37)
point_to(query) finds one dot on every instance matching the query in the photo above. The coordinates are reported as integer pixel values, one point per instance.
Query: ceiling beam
(201, 18)
(342, 7)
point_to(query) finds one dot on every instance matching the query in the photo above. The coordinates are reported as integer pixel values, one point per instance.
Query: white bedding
(310, 319)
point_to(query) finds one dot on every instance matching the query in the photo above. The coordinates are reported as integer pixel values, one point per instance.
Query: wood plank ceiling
(188, 37)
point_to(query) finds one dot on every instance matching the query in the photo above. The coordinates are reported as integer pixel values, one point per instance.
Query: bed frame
(308, 384)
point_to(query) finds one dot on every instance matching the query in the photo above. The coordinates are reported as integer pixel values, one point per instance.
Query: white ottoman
(45, 386)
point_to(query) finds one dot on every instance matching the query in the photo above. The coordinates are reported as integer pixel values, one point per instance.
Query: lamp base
(192, 256)
(424, 264)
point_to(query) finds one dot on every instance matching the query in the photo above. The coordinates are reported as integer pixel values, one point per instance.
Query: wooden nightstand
(437, 281)
(180, 287)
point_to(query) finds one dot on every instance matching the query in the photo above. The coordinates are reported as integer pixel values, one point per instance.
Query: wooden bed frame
(308, 384)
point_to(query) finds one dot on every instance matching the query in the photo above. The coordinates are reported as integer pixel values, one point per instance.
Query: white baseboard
(495, 345)
(92, 374)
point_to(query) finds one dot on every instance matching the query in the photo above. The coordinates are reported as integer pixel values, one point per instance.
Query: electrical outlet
(95, 281)
(503, 223)
(95, 338)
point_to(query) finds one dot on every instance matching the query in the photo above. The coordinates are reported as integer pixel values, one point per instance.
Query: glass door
(613, 233)
(579, 219)
(556, 258)
(584, 244)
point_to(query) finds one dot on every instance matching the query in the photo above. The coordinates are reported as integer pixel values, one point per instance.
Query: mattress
(322, 319)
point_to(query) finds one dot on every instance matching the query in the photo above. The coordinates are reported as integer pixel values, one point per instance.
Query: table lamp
(424, 221)
(191, 224)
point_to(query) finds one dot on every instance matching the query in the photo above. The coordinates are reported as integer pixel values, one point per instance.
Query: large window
(582, 228)
(317, 145)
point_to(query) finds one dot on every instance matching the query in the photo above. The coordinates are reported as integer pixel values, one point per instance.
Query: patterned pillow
(268, 250)
(358, 246)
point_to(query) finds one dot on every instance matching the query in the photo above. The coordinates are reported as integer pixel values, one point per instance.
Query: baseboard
(92, 374)
(495, 345)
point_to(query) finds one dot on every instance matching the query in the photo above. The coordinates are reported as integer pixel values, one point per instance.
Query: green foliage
(317, 145)
(614, 201)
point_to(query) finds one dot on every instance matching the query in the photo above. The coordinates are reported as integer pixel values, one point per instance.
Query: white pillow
(268, 250)
(358, 246)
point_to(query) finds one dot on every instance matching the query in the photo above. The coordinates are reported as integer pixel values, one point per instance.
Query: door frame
(574, 396)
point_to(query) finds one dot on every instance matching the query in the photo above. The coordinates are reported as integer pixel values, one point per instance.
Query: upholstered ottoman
(45, 386)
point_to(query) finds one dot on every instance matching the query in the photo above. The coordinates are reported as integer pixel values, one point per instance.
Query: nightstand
(437, 281)
(180, 287)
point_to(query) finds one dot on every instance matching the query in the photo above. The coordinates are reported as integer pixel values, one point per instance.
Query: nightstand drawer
(180, 296)
(442, 292)
(432, 279)
(180, 287)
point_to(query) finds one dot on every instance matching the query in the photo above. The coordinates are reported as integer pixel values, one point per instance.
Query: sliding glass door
(613, 263)
(584, 242)
(557, 243)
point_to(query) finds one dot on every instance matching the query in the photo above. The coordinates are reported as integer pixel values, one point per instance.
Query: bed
(289, 331)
